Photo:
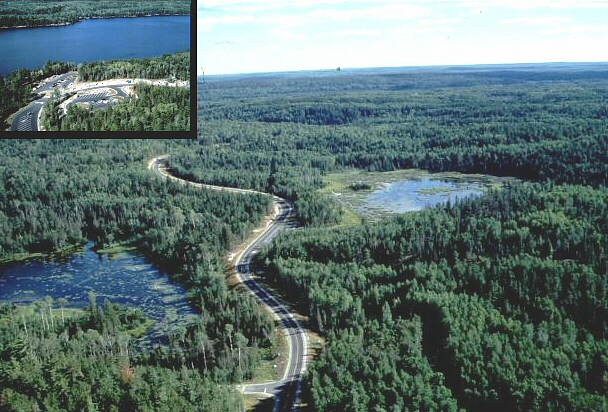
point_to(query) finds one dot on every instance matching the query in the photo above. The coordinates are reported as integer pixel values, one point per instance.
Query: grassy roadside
(273, 365)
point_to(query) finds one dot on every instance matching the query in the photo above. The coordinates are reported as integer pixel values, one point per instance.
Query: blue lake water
(125, 278)
(415, 194)
(93, 39)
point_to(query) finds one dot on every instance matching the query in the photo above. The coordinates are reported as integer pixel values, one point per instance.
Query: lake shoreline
(19, 257)
(89, 18)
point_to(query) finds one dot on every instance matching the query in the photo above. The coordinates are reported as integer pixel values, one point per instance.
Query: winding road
(286, 391)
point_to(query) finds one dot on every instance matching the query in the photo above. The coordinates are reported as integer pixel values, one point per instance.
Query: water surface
(93, 39)
(415, 194)
(382, 194)
(125, 278)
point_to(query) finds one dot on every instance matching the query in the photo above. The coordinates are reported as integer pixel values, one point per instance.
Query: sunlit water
(415, 194)
(94, 39)
(125, 278)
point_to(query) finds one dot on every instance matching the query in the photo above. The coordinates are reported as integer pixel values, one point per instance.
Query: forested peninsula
(51, 13)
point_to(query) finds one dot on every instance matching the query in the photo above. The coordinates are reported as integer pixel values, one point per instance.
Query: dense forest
(61, 192)
(497, 302)
(16, 88)
(168, 66)
(152, 108)
(85, 362)
(535, 125)
(45, 13)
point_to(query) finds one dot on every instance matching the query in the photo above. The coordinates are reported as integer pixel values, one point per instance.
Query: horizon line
(340, 68)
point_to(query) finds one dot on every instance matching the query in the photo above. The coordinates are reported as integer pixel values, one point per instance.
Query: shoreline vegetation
(29, 14)
(61, 191)
(89, 18)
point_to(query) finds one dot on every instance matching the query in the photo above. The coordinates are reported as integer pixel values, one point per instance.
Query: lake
(93, 39)
(124, 278)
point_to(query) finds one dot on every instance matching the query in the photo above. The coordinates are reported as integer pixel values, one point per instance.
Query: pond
(124, 278)
(373, 195)
(411, 195)
(93, 39)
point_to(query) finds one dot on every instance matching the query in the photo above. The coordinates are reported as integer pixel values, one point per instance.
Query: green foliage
(495, 303)
(60, 192)
(154, 108)
(167, 66)
(511, 290)
(44, 13)
(16, 88)
(532, 125)
(88, 363)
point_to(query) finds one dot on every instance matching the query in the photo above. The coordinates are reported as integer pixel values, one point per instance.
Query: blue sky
(246, 36)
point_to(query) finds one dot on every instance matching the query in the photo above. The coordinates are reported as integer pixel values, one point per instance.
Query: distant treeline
(45, 13)
(549, 129)
(167, 66)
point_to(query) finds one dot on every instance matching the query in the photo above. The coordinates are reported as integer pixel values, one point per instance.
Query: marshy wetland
(124, 278)
(373, 195)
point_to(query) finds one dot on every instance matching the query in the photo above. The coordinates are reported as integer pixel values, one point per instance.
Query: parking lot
(25, 122)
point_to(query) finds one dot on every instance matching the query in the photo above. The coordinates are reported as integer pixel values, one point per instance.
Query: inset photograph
(95, 66)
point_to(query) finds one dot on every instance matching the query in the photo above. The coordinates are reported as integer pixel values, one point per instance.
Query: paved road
(286, 391)
(23, 120)
(27, 118)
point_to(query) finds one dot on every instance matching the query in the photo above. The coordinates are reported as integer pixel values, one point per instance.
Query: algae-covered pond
(123, 278)
(373, 195)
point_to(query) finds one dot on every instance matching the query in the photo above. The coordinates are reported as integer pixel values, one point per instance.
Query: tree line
(523, 131)
(45, 13)
(168, 66)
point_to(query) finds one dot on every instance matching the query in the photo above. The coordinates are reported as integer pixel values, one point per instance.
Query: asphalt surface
(286, 391)
(27, 118)
(56, 81)
(24, 121)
